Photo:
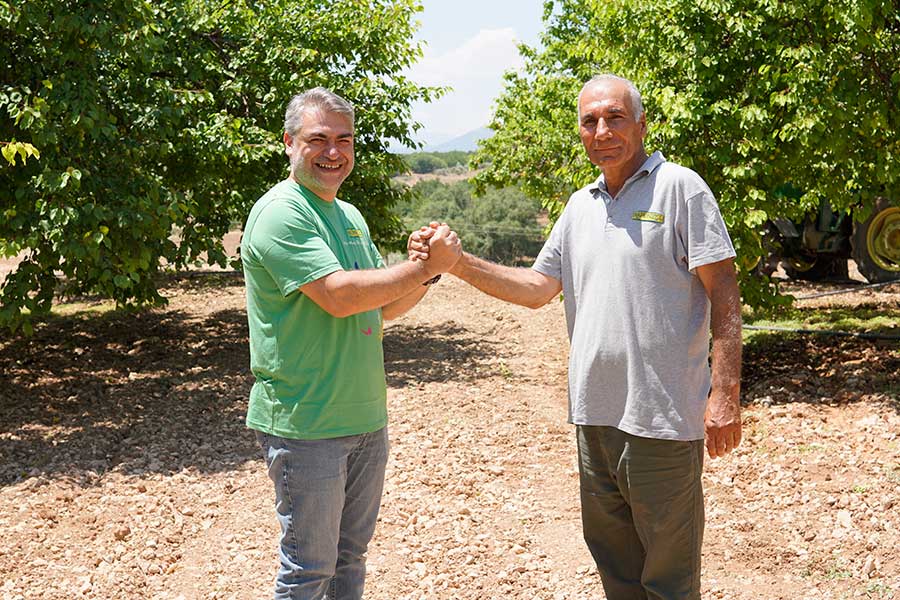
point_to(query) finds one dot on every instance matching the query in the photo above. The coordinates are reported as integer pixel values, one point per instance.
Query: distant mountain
(468, 142)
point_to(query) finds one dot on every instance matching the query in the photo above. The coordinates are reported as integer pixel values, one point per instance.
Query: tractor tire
(816, 268)
(875, 243)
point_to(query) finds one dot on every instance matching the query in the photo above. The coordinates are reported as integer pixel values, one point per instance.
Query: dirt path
(126, 472)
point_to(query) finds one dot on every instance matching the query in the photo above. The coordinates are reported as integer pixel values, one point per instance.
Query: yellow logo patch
(653, 217)
(357, 233)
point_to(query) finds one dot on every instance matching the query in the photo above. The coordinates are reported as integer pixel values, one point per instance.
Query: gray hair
(320, 98)
(637, 107)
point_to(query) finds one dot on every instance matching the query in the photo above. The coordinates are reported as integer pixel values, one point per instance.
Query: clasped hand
(437, 244)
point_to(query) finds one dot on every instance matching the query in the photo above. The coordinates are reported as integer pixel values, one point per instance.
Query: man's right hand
(443, 249)
(519, 285)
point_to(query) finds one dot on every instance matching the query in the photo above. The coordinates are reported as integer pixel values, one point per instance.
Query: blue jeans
(327, 496)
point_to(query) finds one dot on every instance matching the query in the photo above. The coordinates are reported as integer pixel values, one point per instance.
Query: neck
(617, 176)
(326, 195)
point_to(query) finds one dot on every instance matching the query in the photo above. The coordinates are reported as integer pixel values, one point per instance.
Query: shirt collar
(650, 165)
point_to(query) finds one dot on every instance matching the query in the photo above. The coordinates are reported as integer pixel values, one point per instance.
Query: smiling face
(321, 152)
(612, 137)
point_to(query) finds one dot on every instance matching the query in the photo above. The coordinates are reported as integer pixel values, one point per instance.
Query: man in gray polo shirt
(646, 266)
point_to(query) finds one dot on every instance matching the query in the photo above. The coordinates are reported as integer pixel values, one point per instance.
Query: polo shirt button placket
(610, 202)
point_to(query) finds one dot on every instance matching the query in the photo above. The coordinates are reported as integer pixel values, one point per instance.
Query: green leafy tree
(455, 158)
(134, 133)
(499, 224)
(424, 162)
(752, 94)
(429, 162)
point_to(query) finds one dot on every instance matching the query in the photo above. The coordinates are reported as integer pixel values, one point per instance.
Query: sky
(469, 44)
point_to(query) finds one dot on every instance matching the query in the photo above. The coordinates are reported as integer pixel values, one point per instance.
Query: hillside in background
(438, 162)
(502, 225)
(468, 142)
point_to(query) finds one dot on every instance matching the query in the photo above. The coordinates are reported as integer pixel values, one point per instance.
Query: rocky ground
(126, 472)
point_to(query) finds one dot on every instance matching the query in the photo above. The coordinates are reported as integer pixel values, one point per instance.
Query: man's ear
(288, 141)
(643, 124)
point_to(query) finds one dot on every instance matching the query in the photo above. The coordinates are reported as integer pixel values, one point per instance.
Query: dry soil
(126, 471)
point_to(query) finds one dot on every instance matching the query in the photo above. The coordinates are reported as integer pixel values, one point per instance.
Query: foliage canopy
(134, 132)
(501, 224)
(757, 96)
(429, 162)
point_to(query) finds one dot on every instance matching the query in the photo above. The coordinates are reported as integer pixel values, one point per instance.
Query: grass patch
(836, 571)
(809, 448)
(833, 569)
(879, 590)
(88, 308)
(863, 319)
(893, 475)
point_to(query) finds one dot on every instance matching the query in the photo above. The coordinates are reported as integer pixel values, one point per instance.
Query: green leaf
(752, 96)
(9, 153)
(159, 117)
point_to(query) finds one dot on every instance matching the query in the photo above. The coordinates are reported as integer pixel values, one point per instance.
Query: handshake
(437, 244)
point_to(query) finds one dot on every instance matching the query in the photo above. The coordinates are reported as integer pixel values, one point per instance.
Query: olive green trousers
(642, 513)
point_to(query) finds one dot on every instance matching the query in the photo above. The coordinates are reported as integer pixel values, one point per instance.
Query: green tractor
(818, 247)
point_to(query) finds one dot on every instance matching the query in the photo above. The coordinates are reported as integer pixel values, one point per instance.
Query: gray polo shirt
(637, 314)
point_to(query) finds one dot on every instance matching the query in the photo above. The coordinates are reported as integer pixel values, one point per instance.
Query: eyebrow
(322, 134)
(615, 110)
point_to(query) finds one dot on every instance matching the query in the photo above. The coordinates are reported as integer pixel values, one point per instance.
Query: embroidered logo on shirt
(354, 233)
(652, 217)
(367, 331)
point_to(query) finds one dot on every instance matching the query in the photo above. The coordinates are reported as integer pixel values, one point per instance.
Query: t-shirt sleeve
(704, 237)
(295, 253)
(549, 260)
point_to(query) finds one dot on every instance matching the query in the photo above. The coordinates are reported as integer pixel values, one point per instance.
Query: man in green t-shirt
(317, 292)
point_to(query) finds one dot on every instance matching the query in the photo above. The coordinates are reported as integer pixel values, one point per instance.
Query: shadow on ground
(157, 391)
(442, 353)
(162, 391)
(782, 368)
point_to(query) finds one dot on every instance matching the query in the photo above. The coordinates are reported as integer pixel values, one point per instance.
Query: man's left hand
(723, 424)
(417, 244)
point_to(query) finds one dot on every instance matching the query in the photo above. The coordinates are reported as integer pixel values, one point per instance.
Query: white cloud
(475, 72)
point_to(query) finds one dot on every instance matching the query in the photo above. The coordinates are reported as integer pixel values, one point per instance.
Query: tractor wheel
(815, 268)
(876, 243)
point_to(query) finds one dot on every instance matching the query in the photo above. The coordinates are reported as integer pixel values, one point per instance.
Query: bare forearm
(723, 410)
(518, 285)
(725, 316)
(402, 305)
(345, 293)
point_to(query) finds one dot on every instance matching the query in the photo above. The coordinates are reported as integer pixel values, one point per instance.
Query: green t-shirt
(317, 376)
